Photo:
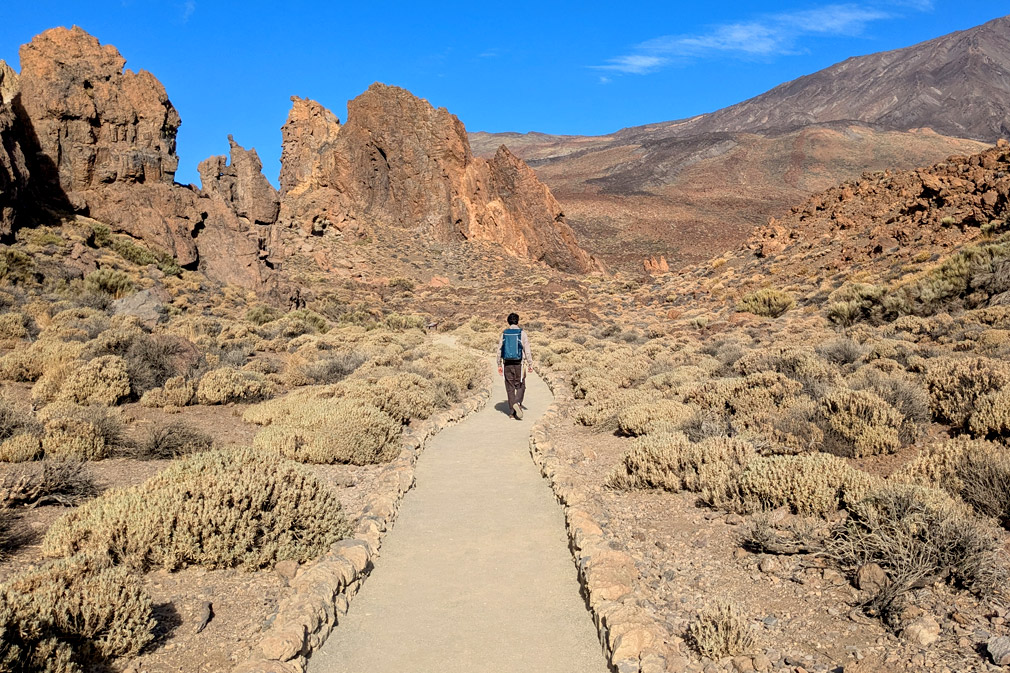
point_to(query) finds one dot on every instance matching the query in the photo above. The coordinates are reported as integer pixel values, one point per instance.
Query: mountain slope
(689, 189)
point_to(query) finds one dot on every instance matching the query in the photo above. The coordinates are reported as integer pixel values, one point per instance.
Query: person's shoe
(517, 411)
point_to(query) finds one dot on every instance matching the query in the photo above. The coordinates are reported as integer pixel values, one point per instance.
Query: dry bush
(984, 476)
(957, 385)
(103, 380)
(188, 515)
(935, 466)
(604, 406)
(767, 302)
(462, 370)
(918, 536)
(173, 439)
(14, 327)
(907, 395)
(816, 484)
(354, 432)
(73, 431)
(859, 423)
(66, 482)
(72, 615)
(324, 370)
(648, 417)
(114, 283)
(76, 324)
(261, 315)
(29, 363)
(719, 632)
(799, 365)
(178, 391)
(842, 351)
(226, 384)
(20, 448)
(672, 462)
(402, 396)
(20, 433)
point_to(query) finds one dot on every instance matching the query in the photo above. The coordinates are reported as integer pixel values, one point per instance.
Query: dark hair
(513, 319)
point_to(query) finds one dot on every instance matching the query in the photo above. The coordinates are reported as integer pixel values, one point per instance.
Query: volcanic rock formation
(13, 168)
(400, 162)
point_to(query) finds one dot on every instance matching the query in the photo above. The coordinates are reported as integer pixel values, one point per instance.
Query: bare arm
(527, 355)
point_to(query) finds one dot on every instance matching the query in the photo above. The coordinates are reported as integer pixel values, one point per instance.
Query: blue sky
(579, 68)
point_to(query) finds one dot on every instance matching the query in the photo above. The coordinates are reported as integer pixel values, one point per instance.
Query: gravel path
(476, 574)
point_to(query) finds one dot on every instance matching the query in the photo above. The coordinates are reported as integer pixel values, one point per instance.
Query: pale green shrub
(957, 385)
(216, 509)
(108, 281)
(178, 391)
(808, 484)
(767, 302)
(647, 417)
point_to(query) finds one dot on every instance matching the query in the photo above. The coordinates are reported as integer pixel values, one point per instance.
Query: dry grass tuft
(719, 632)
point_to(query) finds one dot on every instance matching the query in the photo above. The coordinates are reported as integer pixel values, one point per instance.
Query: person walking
(513, 351)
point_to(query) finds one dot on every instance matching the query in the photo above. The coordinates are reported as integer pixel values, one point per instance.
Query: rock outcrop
(13, 167)
(104, 142)
(400, 162)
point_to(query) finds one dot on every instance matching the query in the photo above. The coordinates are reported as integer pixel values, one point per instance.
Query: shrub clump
(178, 391)
(648, 417)
(116, 284)
(71, 614)
(919, 536)
(816, 484)
(674, 463)
(216, 509)
(174, 439)
(767, 302)
(719, 632)
(104, 380)
(338, 430)
(76, 432)
(226, 384)
(858, 423)
(958, 385)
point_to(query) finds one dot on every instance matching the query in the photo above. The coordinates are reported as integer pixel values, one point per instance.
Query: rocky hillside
(82, 136)
(752, 159)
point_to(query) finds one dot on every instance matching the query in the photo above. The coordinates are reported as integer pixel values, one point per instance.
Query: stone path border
(632, 639)
(324, 587)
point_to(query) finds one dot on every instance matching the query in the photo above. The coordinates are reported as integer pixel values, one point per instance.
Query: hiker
(513, 351)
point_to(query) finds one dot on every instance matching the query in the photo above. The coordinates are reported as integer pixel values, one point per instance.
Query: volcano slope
(799, 446)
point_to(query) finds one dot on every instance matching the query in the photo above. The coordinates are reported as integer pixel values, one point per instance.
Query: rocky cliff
(399, 162)
(83, 135)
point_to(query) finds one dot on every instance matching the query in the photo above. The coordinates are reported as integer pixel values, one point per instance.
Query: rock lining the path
(632, 640)
(324, 588)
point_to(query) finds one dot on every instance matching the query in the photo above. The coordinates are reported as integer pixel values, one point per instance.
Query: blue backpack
(511, 344)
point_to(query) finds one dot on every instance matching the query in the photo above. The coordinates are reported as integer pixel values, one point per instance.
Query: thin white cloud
(764, 37)
(188, 8)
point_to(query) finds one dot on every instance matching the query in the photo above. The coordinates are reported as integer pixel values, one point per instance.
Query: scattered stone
(768, 565)
(999, 650)
(923, 631)
(871, 577)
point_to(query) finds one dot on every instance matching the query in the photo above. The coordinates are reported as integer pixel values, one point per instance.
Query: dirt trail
(476, 574)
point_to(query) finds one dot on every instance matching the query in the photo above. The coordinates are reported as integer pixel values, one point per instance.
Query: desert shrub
(285, 513)
(671, 462)
(800, 365)
(103, 380)
(767, 302)
(70, 615)
(178, 391)
(76, 324)
(859, 423)
(15, 326)
(64, 481)
(31, 362)
(16, 267)
(957, 385)
(983, 477)
(108, 281)
(401, 284)
(261, 315)
(358, 434)
(907, 395)
(20, 448)
(464, 371)
(935, 465)
(330, 369)
(842, 351)
(991, 416)
(402, 396)
(398, 321)
(173, 439)
(918, 536)
(224, 385)
(808, 484)
(604, 406)
(647, 417)
(719, 632)
(76, 432)
(16, 420)
(150, 362)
